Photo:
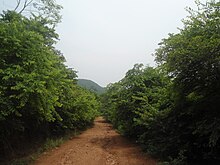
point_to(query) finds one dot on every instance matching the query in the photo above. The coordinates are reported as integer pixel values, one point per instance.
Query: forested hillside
(39, 95)
(91, 86)
(172, 110)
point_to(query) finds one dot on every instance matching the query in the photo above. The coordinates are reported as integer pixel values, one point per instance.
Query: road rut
(100, 145)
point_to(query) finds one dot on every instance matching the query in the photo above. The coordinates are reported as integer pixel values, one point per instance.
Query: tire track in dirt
(100, 145)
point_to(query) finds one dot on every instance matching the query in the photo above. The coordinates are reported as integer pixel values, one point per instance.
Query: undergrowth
(45, 146)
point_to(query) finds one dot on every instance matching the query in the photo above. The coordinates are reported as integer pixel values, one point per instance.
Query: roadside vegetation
(39, 95)
(172, 110)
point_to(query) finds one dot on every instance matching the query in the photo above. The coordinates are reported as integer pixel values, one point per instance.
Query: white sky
(103, 39)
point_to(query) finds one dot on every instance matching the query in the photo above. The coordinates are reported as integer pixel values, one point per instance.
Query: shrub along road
(100, 145)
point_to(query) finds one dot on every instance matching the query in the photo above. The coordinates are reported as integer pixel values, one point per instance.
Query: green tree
(39, 96)
(173, 110)
(47, 9)
(136, 100)
(192, 59)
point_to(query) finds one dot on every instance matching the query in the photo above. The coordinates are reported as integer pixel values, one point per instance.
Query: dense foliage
(39, 96)
(173, 110)
(136, 98)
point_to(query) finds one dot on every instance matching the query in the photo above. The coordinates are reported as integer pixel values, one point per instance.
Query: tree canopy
(39, 95)
(173, 109)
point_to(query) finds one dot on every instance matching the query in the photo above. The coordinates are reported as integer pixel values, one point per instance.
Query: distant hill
(90, 85)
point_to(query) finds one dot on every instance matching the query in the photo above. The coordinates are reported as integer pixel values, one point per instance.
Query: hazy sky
(102, 39)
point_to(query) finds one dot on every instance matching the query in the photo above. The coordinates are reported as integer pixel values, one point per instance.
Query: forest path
(100, 145)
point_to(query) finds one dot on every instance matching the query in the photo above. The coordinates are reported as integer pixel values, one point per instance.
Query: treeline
(173, 109)
(39, 96)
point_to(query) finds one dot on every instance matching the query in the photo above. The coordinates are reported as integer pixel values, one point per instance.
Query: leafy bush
(173, 110)
(133, 103)
(39, 96)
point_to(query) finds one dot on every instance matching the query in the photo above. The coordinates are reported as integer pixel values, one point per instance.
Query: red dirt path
(100, 145)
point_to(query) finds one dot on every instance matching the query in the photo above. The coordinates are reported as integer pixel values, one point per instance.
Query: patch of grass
(24, 161)
(35, 151)
(47, 145)
(51, 143)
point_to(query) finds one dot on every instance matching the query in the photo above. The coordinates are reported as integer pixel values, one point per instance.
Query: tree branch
(18, 4)
(26, 4)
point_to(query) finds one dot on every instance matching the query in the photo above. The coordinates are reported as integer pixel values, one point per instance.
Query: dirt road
(100, 145)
